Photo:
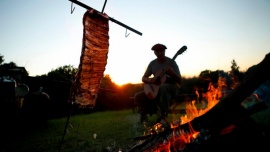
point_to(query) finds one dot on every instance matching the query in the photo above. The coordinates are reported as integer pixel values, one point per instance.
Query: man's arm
(146, 79)
(147, 74)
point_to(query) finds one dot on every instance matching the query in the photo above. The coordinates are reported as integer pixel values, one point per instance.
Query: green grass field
(114, 131)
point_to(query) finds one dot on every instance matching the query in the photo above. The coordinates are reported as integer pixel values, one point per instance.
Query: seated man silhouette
(165, 85)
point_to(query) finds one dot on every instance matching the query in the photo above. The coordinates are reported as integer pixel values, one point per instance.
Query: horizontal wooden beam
(111, 19)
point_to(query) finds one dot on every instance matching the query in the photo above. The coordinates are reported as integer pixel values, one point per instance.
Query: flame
(212, 97)
(180, 138)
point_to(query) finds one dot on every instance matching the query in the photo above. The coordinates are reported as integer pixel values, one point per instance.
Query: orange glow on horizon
(120, 79)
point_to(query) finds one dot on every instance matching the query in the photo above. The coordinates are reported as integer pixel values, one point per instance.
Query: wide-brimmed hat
(158, 47)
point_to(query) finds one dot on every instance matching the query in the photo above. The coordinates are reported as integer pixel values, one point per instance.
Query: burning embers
(174, 139)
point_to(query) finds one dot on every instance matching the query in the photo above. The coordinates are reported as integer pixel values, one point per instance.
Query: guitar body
(151, 90)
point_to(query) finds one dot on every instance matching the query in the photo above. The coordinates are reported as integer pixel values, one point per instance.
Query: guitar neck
(180, 51)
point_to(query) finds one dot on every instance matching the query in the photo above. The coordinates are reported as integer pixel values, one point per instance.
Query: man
(165, 83)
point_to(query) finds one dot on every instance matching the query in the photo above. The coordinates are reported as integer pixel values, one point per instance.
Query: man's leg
(142, 100)
(166, 93)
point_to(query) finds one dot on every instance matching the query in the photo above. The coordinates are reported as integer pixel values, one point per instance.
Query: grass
(114, 130)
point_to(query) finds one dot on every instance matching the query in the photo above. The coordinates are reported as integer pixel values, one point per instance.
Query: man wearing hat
(161, 83)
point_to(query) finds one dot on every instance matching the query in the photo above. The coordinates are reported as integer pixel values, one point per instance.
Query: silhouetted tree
(108, 95)
(63, 73)
(1, 59)
(234, 67)
(188, 84)
(8, 65)
(235, 73)
(107, 83)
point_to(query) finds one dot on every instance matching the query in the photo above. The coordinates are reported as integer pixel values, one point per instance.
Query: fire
(212, 97)
(177, 141)
(179, 138)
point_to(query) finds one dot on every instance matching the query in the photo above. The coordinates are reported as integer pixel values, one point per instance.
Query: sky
(42, 35)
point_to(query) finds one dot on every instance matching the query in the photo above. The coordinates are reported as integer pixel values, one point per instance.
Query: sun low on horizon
(123, 80)
(124, 76)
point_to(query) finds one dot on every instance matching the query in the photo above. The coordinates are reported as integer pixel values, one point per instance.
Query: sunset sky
(42, 35)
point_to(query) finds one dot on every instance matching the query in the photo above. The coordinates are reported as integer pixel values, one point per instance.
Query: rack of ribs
(93, 58)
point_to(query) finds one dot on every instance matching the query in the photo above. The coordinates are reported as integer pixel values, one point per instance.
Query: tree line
(57, 84)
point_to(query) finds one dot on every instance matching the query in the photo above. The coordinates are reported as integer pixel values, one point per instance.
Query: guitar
(151, 90)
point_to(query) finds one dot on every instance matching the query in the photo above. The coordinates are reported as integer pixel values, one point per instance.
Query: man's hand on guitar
(169, 70)
(154, 80)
